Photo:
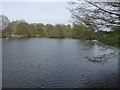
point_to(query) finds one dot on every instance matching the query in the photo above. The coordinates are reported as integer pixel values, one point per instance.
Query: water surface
(51, 63)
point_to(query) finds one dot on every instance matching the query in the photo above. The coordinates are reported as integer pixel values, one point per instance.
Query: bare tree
(100, 15)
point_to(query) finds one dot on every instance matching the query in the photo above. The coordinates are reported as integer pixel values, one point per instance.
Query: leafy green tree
(82, 32)
(24, 30)
(41, 30)
(50, 30)
(7, 32)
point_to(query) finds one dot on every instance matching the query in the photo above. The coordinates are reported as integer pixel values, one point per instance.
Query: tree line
(24, 29)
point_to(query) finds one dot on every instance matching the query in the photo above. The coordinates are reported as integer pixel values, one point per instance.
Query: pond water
(55, 63)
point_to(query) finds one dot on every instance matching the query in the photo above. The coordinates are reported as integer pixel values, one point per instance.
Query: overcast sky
(37, 12)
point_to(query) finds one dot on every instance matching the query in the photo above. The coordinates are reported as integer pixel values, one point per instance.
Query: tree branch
(103, 9)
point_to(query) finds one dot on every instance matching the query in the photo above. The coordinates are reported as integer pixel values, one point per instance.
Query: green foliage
(24, 30)
(7, 32)
(50, 30)
(41, 32)
(83, 32)
(109, 38)
(79, 31)
(58, 31)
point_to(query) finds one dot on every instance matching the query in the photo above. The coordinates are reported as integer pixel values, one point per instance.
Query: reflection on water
(102, 58)
(105, 52)
(61, 63)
